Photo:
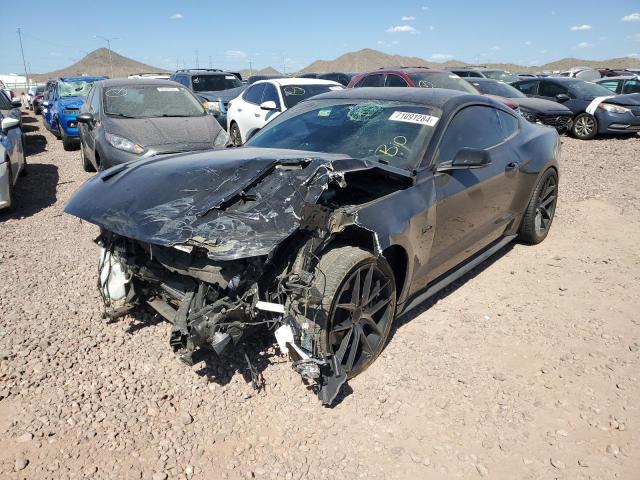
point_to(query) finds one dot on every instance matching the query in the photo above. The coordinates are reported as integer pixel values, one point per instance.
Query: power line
(26, 75)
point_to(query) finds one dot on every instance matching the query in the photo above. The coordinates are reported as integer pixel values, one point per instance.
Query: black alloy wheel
(234, 134)
(538, 217)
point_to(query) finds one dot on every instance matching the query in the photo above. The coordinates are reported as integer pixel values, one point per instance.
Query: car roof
(283, 82)
(124, 82)
(435, 97)
(619, 77)
(408, 70)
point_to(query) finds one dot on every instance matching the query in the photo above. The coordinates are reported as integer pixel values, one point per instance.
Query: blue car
(61, 106)
(596, 109)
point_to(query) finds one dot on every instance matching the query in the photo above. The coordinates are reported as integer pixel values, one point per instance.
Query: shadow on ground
(34, 192)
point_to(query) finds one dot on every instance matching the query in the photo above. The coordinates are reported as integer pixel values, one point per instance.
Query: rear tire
(11, 192)
(541, 209)
(585, 126)
(355, 321)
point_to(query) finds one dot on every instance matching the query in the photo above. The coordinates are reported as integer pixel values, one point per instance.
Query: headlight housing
(212, 107)
(610, 107)
(123, 144)
(222, 139)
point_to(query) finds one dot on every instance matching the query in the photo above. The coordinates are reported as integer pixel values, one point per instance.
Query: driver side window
(477, 127)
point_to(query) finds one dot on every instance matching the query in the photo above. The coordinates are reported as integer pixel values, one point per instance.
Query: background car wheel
(541, 209)
(234, 134)
(585, 126)
(86, 164)
(10, 207)
(359, 305)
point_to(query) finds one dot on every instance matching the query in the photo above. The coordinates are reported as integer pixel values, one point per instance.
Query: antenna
(26, 75)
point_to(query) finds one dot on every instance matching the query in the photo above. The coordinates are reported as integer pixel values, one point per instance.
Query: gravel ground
(527, 369)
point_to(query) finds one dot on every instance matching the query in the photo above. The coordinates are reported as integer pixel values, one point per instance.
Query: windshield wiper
(121, 115)
(175, 116)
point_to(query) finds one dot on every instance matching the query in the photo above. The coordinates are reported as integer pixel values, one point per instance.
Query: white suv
(265, 100)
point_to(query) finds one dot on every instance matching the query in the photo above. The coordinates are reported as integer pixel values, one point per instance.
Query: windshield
(151, 101)
(498, 88)
(294, 94)
(588, 89)
(442, 80)
(214, 83)
(500, 75)
(394, 133)
(78, 88)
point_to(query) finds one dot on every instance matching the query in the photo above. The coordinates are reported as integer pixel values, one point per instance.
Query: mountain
(246, 73)
(369, 59)
(98, 63)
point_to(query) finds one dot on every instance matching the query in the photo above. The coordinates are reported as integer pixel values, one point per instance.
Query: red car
(419, 77)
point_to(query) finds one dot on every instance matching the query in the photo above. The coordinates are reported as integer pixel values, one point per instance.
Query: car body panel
(12, 161)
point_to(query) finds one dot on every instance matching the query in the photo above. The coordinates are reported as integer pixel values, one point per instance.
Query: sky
(291, 34)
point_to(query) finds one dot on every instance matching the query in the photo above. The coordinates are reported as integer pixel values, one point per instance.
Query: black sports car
(346, 210)
(536, 110)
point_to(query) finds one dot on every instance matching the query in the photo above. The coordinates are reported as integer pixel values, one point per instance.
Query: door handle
(257, 114)
(239, 109)
(512, 166)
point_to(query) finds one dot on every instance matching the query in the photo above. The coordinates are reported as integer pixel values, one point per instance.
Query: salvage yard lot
(527, 368)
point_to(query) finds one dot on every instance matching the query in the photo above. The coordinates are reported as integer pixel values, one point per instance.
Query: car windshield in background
(151, 101)
(213, 83)
(393, 133)
(294, 94)
(500, 75)
(588, 89)
(442, 80)
(498, 88)
(74, 89)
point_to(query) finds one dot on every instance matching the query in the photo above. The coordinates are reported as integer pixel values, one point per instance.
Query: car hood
(165, 130)
(235, 203)
(629, 100)
(71, 102)
(221, 95)
(540, 105)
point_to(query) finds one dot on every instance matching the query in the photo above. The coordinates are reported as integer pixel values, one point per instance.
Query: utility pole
(108, 40)
(250, 67)
(26, 75)
(197, 62)
(210, 62)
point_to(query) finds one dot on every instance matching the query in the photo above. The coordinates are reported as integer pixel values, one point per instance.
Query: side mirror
(270, 105)
(251, 133)
(9, 123)
(465, 159)
(85, 118)
(16, 103)
(562, 97)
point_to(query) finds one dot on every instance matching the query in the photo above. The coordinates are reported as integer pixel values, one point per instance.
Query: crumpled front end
(228, 256)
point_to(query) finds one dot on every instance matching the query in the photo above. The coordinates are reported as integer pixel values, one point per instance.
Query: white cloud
(544, 52)
(495, 48)
(584, 45)
(177, 16)
(634, 55)
(238, 54)
(407, 18)
(441, 56)
(633, 17)
(528, 42)
(402, 29)
(577, 28)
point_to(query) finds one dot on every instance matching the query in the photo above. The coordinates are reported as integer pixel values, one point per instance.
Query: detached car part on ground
(343, 212)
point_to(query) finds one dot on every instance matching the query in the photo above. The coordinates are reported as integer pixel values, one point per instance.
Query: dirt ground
(528, 368)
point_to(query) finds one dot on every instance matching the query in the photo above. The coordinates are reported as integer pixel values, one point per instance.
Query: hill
(97, 63)
(246, 73)
(369, 59)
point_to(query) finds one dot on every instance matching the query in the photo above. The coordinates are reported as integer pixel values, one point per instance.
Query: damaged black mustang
(343, 212)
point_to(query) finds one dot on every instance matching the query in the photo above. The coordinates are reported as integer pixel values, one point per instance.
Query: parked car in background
(481, 72)
(4, 88)
(32, 93)
(215, 88)
(583, 73)
(610, 72)
(621, 85)
(12, 156)
(342, 78)
(129, 119)
(62, 106)
(151, 75)
(418, 77)
(596, 110)
(10, 107)
(265, 100)
(536, 110)
(347, 210)
(256, 78)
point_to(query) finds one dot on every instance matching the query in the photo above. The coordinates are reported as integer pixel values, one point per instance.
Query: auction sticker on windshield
(168, 89)
(414, 118)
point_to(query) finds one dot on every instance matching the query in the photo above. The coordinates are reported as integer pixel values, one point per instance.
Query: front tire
(358, 305)
(86, 164)
(66, 143)
(234, 134)
(585, 126)
(10, 207)
(541, 209)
